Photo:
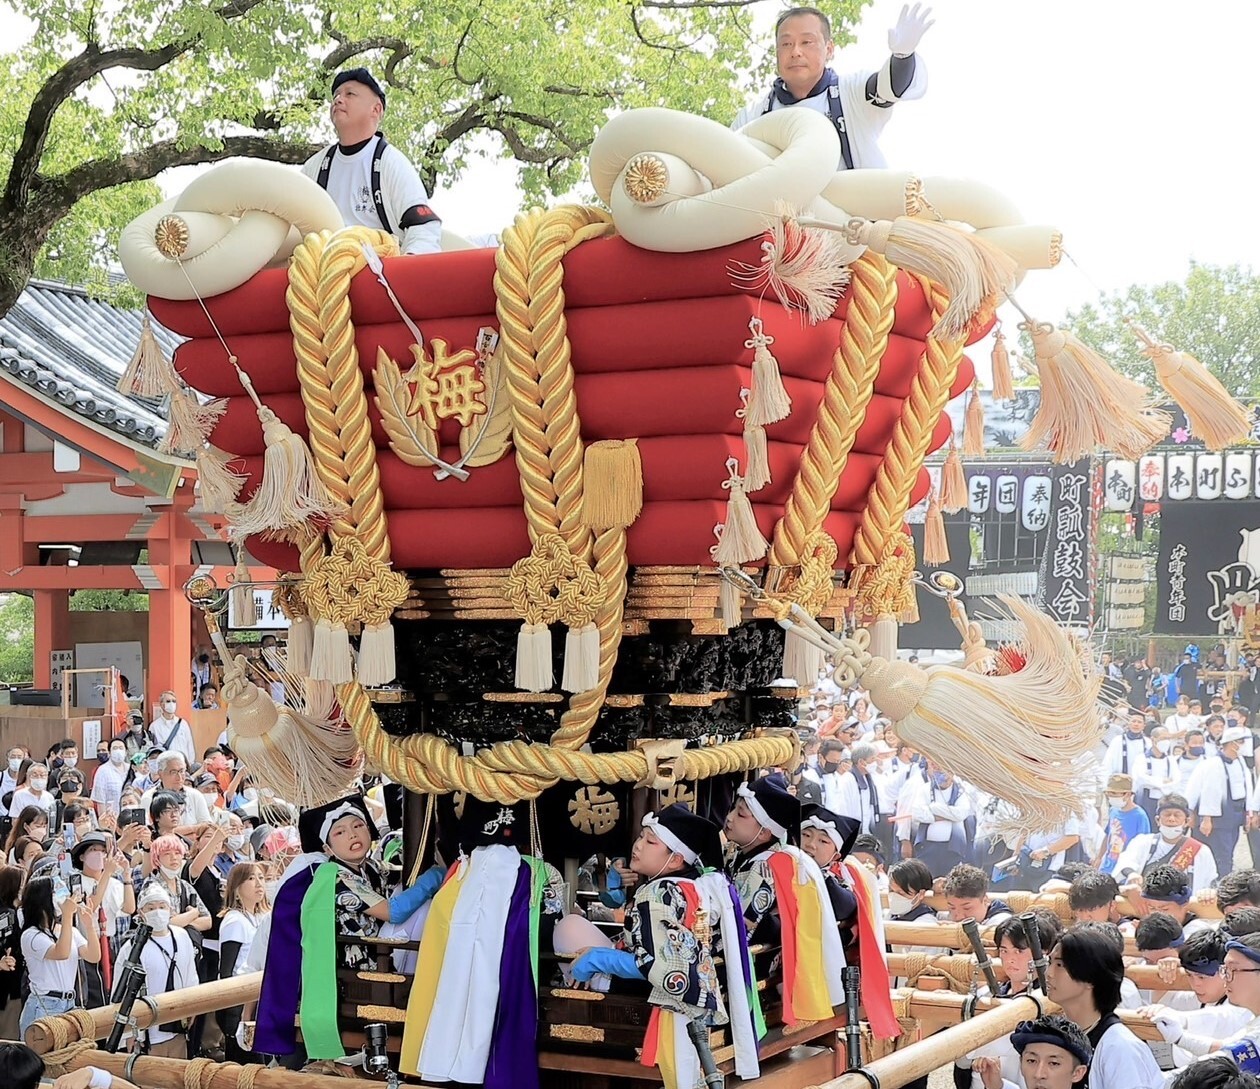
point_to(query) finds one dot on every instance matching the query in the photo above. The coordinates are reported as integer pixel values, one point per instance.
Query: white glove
(1169, 1028)
(245, 1035)
(912, 24)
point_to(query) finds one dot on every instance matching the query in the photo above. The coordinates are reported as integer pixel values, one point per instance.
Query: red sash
(876, 986)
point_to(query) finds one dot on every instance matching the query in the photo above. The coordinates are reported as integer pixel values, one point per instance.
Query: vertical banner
(1151, 478)
(1209, 567)
(979, 493)
(1208, 470)
(1067, 591)
(1237, 482)
(1119, 485)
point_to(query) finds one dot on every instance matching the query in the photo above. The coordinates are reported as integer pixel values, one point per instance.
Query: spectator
(12, 964)
(33, 790)
(172, 776)
(53, 946)
(31, 824)
(245, 907)
(107, 785)
(169, 962)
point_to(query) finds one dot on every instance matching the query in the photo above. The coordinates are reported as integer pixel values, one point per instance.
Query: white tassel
(149, 374)
(377, 663)
(330, 654)
(534, 672)
(189, 422)
(802, 660)
(218, 484)
(242, 595)
(730, 605)
(301, 638)
(768, 400)
(802, 266)
(756, 456)
(581, 659)
(741, 540)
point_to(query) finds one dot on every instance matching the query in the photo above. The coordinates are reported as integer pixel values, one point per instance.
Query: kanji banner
(1068, 586)
(1209, 566)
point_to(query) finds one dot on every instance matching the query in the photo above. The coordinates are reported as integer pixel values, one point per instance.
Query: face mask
(251, 794)
(167, 871)
(14, 764)
(102, 757)
(153, 767)
(898, 904)
(117, 756)
(158, 918)
(168, 708)
(271, 886)
(1172, 834)
(938, 779)
(94, 860)
(70, 761)
(1196, 750)
(236, 842)
(38, 784)
(1116, 800)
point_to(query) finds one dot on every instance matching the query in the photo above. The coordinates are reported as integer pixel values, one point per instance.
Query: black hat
(842, 830)
(92, 839)
(697, 840)
(359, 75)
(482, 824)
(866, 844)
(315, 824)
(772, 806)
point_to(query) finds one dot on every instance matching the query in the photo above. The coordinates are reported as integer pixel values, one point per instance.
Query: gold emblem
(593, 811)
(677, 792)
(462, 386)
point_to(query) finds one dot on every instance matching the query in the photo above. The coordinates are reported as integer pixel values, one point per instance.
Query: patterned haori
(356, 893)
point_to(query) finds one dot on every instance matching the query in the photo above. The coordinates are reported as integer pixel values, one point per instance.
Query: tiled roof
(72, 349)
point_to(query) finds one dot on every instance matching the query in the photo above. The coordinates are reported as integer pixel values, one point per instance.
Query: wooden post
(222, 994)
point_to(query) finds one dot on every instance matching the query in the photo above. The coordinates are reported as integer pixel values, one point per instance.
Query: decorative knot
(349, 585)
(760, 338)
(552, 584)
(884, 588)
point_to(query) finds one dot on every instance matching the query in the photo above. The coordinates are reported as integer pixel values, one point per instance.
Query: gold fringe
(612, 484)
(973, 424)
(150, 373)
(953, 492)
(1215, 417)
(1003, 379)
(1085, 404)
(935, 543)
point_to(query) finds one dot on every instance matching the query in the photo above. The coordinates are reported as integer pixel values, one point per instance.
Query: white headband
(669, 839)
(833, 833)
(759, 811)
(346, 809)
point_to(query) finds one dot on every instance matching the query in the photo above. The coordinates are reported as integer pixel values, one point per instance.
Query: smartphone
(67, 835)
(75, 882)
(131, 816)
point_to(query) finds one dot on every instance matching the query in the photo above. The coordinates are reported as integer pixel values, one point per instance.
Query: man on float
(857, 103)
(372, 182)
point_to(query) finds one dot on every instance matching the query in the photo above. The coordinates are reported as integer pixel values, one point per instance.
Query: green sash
(318, 1010)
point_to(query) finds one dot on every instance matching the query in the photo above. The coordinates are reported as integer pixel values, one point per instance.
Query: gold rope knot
(288, 598)
(349, 585)
(552, 584)
(57, 1061)
(884, 588)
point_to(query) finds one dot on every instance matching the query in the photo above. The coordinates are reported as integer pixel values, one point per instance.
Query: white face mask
(14, 764)
(236, 842)
(168, 708)
(38, 784)
(70, 761)
(168, 872)
(270, 887)
(158, 918)
(1172, 834)
(117, 756)
(1115, 800)
(899, 904)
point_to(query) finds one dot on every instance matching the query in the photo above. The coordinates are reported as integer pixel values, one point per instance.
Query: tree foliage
(17, 639)
(103, 97)
(1214, 314)
(110, 601)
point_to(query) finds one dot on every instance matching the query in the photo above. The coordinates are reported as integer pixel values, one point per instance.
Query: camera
(376, 1048)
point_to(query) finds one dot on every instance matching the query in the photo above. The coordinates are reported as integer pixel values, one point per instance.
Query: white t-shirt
(50, 976)
(156, 958)
(1122, 1061)
(160, 729)
(239, 927)
(111, 902)
(22, 798)
(196, 810)
(107, 787)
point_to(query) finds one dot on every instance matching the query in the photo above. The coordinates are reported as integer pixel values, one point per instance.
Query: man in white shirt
(372, 182)
(831, 764)
(1226, 793)
(169, 962)
(172, 777)
(941, 809)
(859, 104)
(1171, 843)
(170, 731)
(8, 781)
(858, 796)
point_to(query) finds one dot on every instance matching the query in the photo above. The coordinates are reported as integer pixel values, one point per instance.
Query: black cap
(482, 824)
(772, 806)
(698, 835)
(359, 75)
(311, 821)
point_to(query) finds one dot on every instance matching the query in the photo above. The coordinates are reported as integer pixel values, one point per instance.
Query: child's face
(650, 857)
(818, 845)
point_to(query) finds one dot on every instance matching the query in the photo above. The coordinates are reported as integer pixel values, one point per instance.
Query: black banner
(1067, 589)
(1209, 565)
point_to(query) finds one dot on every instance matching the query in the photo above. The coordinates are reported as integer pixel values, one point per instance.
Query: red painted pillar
(170, 649)
(52, 631)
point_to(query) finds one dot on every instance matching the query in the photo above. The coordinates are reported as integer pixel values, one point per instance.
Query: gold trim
(576, 995)
(381, 977)
(623, 701)
(581, 1034)
(696, 699)
(522, 697)
(390, 695)
(391, 1014)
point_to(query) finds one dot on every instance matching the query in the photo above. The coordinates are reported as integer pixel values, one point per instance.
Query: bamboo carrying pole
(1020, 902)
(1144, 976)
(222, 994)
(155, 1073)
(936, 1008)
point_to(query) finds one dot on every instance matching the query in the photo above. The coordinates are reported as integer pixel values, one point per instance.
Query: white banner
(61, 660)
(1021, 584)
(979, 494)
(1208, 470)
(1132, 568)
(1119, 485)
(1125, 619)
(1238, 475)
(1151, 478)
(1180, 476)
(1128, 593)
(1006, 494)
(1035, 511)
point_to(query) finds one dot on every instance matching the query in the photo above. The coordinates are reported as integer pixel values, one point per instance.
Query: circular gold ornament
(171, 236)
(646, 178)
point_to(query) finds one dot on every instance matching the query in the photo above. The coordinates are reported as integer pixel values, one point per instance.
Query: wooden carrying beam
(951, 936)
(155, 1073)
(962, 966)
(222, 994)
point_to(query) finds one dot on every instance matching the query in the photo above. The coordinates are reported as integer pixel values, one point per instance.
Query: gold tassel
(1019, 734)
(973, 424)
(756, 455)
(741, 540)
(953, 494)
(975, 274)
(935, 542)
(612, 484)
(581, 659)
(299, 645)
(242, 594)
(1085, 404)
(768, 400)
(1003, 379)
(149, 374)
(377, 663)
(189, 422)
(1215, 418)
(331, 659)
(534, 670)
(218, 484)
(290, 493)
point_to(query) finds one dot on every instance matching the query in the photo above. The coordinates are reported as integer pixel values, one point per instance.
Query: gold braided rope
(889, 497)
(846, 396)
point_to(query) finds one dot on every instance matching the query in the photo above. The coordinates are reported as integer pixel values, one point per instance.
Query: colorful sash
(876, 985)
(321, 1035)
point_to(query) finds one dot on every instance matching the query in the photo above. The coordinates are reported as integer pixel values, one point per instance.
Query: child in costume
(785, 900)
(683, 912)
